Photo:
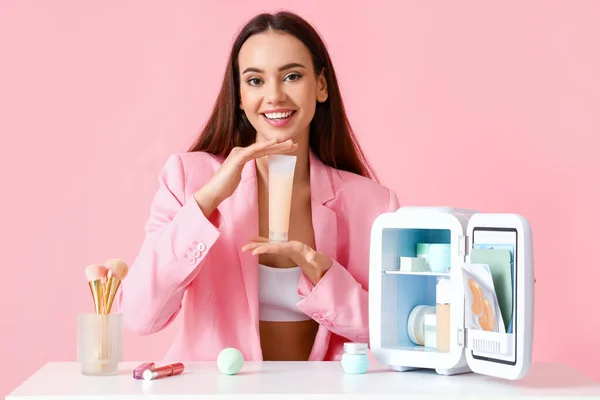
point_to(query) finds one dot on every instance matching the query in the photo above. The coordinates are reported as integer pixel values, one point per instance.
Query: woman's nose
(275, 93)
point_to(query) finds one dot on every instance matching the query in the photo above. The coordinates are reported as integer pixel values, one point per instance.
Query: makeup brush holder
(100, 343)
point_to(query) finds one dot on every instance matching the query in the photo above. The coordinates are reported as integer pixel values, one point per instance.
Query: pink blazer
(186, 261)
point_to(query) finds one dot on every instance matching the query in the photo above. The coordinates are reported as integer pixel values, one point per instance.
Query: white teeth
(278, 115)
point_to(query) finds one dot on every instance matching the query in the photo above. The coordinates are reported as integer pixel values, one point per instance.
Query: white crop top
(277, 294)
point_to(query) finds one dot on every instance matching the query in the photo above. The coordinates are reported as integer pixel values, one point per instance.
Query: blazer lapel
(325, 229)
(324, 219)
(244, 221)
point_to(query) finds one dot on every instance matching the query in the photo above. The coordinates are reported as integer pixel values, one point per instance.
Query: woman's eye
(293, 77)
(254, 81)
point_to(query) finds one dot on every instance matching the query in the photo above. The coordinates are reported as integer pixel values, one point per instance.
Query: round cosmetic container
(416, 323)
(422, 250)
(429, 330)
(355, 359)
(438, 257)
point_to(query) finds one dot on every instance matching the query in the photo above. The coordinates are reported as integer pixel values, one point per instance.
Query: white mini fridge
(452, 290)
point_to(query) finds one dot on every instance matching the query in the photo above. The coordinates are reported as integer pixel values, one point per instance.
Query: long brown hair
(331, 136)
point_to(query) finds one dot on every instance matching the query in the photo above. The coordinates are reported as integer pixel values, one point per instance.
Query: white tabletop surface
(299, 380)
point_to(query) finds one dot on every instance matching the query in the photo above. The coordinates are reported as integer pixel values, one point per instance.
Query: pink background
(461, 103)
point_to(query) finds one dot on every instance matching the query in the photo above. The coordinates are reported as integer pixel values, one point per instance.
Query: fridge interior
(403, 291)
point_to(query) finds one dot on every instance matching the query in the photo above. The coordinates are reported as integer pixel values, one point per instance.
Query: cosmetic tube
(162, 372)
(442, 315)
(138, 372)
(281, 182)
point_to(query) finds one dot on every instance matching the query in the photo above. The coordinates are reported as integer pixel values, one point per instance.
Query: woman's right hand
(226, 179)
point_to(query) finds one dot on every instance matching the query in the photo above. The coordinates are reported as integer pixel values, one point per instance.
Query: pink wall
(459, 103)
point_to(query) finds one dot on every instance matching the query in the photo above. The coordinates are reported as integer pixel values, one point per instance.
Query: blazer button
(197, 253)
(317, 316)
(191, 260)
(200, 246)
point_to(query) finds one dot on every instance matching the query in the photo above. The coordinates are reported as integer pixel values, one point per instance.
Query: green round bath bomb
(230, 361)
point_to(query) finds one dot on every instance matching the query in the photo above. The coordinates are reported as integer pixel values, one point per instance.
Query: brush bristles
(95, 271)
(117, 272)
(117, 267)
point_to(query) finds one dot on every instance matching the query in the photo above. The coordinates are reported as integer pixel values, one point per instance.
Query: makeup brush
(96, 274)
(117, 272)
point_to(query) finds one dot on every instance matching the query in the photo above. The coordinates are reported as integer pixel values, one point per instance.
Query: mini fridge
(452, 290)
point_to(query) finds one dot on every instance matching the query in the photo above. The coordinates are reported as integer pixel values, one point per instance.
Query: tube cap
(443, 291)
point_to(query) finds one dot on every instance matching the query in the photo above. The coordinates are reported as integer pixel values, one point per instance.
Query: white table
(299, 380)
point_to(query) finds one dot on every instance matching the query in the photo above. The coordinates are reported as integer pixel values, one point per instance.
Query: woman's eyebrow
(282, 68)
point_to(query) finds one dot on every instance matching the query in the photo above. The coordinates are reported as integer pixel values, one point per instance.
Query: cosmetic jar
(355, 359)
(438, 257)
(429, 330)
(416, 323)
(100, 343)
(422, 249)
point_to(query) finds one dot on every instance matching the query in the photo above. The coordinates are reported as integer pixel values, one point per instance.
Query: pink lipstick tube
(138, 372)
(162, 372)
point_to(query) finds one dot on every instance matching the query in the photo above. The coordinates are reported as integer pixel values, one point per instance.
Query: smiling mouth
(279, 116)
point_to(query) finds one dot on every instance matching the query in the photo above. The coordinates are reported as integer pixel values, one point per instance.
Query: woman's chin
(283, 133)
(280, 134)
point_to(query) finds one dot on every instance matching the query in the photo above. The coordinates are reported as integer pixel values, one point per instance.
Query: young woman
(205, 248)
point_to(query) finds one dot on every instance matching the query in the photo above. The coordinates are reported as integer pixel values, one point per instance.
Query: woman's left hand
(313, 263)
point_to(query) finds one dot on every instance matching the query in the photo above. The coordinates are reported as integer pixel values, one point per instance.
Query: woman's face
(278, 86)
